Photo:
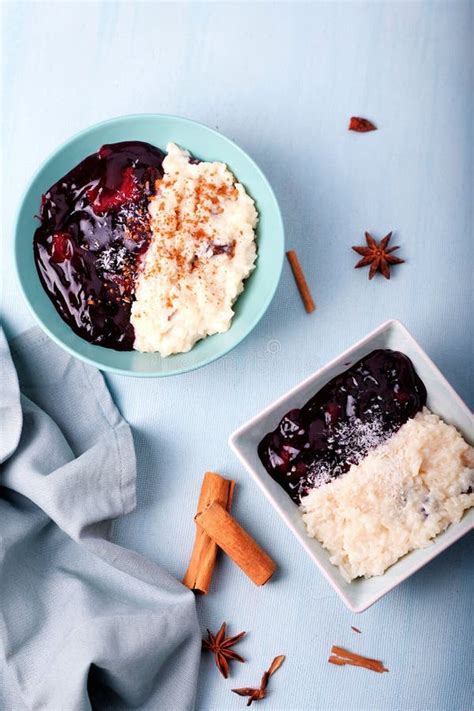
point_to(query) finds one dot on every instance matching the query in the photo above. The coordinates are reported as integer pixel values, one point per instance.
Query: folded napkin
(84, 623)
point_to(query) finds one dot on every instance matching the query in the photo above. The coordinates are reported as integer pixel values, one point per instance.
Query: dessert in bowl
(159, 246)
(369, 464)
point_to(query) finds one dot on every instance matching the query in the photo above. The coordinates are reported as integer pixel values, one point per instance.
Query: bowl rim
(258, 315)
(431, 552)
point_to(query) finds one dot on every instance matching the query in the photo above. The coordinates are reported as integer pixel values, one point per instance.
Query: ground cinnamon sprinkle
(341, 657)
(192, 209)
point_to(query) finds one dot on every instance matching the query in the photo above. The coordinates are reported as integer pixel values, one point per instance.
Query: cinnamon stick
(203, 558)
(301, 282)
(236, 542)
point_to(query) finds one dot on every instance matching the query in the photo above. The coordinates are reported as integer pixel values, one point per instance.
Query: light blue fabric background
(282, 81)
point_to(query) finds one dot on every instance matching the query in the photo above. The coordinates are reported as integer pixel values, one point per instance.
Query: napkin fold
(84, 623)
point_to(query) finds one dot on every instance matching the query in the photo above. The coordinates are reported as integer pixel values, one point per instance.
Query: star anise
(377, 255)
(220, 646)
(261, 692)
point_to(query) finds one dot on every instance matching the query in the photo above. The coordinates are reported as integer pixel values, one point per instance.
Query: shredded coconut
(357, 438)
(112, 259)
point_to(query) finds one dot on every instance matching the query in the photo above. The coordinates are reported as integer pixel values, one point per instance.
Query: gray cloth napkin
(84, 623)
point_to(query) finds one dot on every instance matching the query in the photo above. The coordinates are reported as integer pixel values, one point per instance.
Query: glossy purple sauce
(352, 414)
(94, 229)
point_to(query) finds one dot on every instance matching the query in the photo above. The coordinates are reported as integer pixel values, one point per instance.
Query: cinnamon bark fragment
(341, 656)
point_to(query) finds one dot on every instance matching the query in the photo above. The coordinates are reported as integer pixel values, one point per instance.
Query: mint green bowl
(204, 143)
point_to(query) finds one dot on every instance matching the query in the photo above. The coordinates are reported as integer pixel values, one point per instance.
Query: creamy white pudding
(397, 498)
(202, 248)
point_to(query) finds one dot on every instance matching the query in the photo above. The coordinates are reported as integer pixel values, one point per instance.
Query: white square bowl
(442, 399)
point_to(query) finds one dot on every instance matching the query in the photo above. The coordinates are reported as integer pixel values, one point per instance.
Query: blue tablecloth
(84, 623)
(282, 80)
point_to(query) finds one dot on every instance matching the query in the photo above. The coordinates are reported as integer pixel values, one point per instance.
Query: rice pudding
(147, 250)
(374, 472)
(398, 498)
(202, 248)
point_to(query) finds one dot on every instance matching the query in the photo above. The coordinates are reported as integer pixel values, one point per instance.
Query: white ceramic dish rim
(431, 551)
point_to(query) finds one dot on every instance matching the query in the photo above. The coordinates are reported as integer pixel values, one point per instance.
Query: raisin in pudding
(374, 472)
(146, 250)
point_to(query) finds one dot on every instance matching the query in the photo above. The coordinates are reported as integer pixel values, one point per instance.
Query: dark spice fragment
(361, 125)
(261, 692)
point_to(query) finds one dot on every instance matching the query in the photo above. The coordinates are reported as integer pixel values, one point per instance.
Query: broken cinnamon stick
(236, 542)
(341, 656)
(301, 282)
(203, 558)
